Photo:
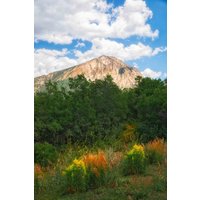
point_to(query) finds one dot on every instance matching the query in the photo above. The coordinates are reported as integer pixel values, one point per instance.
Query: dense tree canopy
(87, 111)
(148, 108)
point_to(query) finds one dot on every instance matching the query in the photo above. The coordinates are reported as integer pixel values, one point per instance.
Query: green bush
(154, 157)
(134, 162)
(50, 186)
(93, 180)
(45, 154)
(160, 183)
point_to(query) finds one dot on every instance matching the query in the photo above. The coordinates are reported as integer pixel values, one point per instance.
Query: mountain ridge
(97, 68)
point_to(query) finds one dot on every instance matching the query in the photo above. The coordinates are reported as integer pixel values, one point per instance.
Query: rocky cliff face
(98, 68)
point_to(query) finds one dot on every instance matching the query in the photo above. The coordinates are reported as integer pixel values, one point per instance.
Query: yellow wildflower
(77, 164)
(137, 148)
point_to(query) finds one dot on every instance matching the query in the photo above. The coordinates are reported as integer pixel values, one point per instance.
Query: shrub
(134, 162)
(50, 186)
(155, 151)
(75, 176)
(160, 183)
(128, 133)
(38, 175)
(96, 166)
(114, 157)
(45, 154)
(38, 172)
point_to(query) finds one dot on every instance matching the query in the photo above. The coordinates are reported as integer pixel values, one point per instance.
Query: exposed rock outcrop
(98, 68)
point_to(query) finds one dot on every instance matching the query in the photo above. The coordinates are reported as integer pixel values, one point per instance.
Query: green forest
(90, 111)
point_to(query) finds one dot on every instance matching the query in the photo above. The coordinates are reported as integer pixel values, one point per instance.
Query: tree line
(86, 111)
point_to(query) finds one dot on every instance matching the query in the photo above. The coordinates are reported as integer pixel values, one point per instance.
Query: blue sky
(71, 32)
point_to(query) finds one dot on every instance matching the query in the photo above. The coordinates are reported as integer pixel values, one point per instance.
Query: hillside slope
(98, 68)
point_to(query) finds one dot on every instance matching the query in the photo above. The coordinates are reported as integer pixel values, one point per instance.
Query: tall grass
(97, 166)
(100, 169)
(155, 151)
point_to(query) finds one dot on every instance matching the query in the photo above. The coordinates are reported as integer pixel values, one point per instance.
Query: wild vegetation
(96, 141)
(91, 111)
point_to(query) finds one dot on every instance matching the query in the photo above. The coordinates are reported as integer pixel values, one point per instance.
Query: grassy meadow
(51, 183)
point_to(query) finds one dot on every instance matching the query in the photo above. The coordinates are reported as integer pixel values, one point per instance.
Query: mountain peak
(97, 68)
(103, 57)
(107, 60)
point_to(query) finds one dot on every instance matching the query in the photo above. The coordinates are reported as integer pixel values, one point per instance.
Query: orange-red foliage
(38, 171)
(96, 162)
(157, 145)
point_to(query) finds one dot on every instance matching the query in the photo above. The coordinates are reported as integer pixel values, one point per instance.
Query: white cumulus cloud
(80, 44)
(151, 74)
(47, 61)
(102, 46)
(62, 21)
(54, 38)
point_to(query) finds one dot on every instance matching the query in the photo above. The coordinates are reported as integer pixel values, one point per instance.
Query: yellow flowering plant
(75, 176)
(134, 161)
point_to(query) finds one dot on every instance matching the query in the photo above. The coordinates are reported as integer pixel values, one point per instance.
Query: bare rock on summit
(98, 68)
